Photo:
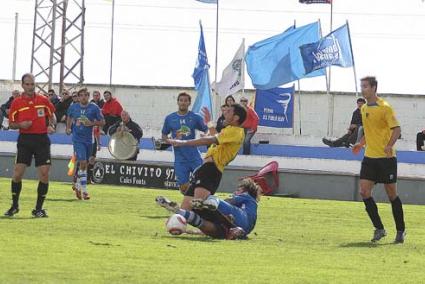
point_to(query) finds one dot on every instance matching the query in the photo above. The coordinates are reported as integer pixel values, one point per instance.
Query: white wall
(149, 105)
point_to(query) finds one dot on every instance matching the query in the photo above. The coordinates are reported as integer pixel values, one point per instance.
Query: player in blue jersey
(182, 125)
(82, 117)
(232, 218)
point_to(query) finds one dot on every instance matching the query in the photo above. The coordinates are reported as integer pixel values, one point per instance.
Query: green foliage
(119, 236)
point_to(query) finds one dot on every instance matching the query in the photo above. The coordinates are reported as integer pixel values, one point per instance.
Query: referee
(29, 113)
(379, 165)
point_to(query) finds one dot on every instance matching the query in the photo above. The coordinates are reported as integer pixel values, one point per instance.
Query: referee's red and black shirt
(35, 108)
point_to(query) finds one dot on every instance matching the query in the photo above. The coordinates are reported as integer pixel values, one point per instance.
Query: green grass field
(119, 236)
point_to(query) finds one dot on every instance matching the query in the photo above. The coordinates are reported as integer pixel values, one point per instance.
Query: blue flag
(275, 107)
(201, 77)
(315, 1)
(208, 1)
(333, 49)
(277, 60)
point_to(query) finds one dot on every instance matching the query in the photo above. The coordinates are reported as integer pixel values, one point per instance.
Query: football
(176, 224)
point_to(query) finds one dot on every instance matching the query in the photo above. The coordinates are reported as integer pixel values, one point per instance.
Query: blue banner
(201, 78)
(277, 60)
(208, 1)
(333, 49)
(275, 107)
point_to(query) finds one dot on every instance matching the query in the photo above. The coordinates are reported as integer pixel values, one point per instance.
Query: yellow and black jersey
(378, 121)
(229, 140)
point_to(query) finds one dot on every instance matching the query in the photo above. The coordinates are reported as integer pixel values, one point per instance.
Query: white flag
(232, 79)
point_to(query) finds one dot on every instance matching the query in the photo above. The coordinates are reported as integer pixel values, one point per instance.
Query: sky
(156, 41)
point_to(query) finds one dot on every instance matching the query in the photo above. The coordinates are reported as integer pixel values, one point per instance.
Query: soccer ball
(176, 224)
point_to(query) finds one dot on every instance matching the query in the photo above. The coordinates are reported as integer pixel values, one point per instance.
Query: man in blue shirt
(233, 218)
(81, 118)
(182, 125)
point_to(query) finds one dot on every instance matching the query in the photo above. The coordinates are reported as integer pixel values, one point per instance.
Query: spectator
(111, 110)
(62, 107)
(350, 138)
(127, 124)
(220, 121)
(250, 125)
(230, 100)
(420, 138)
(75, 97)
(97, 99)
(4, 109)
(53, 97)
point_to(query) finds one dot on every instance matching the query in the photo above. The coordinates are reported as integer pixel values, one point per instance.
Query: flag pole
(331, 24)
(352, 58)
(299, 94)
(112, 42)
(330, 95)
(299, 110)
(243, 67)
(216, 98)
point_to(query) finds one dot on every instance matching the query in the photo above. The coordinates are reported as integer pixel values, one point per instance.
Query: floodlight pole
(47, 14)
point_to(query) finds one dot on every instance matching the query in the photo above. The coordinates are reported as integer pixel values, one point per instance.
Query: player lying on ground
(233, 218)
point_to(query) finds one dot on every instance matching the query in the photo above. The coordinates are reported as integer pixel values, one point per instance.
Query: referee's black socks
(41, 194)
(16, 191)
(372, 211)
(398, 214)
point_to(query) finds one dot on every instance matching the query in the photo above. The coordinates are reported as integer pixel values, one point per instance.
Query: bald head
(125, 116)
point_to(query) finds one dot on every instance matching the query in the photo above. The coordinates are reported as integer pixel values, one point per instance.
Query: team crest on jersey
(40, 112)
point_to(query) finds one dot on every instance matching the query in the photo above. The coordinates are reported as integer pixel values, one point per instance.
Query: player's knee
(365, 193)
(201, 193)
(44, 177)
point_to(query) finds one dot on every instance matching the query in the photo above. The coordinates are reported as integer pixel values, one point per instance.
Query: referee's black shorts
(37, 145)
(206, 176)
(379, 170)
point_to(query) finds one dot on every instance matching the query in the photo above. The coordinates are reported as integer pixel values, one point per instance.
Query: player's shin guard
(191, 217)
(372, 211)
(41, 194)
(82, 175)
(16, 191)
(398, 214)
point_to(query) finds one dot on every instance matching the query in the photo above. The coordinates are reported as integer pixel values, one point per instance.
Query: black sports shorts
(206, 176)
(221, 223)
(379, 170)
(37, 145)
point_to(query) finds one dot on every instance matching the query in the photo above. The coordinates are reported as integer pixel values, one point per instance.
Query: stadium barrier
(320, 175)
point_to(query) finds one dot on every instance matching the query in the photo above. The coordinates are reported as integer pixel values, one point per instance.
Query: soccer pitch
(119, 236)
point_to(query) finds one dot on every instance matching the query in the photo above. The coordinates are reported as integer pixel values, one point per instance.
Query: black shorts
(379, 170)
(221, 223)
(37, 145)
(206, 176)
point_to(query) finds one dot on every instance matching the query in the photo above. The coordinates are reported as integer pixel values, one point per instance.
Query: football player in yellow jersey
(379, 165)
(224, 148)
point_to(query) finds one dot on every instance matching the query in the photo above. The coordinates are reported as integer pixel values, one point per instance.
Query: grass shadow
(16, 218)
(363, 245)
(155, 217)
(62, 199)
(189, 237)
